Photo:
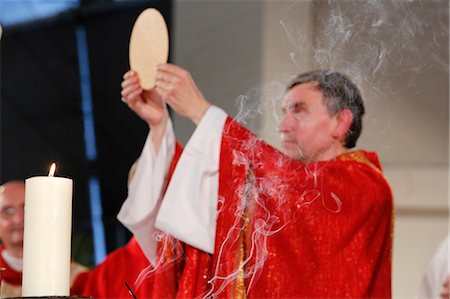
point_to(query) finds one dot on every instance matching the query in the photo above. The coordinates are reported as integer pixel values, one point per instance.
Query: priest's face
(12, 199)
(307, 127)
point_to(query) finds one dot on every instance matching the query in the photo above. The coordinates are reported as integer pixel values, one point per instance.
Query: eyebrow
(293, 106)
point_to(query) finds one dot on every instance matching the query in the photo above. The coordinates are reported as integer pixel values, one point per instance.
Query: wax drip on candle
(52, 170)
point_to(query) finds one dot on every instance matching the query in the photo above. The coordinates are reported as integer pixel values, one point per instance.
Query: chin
(293, 154)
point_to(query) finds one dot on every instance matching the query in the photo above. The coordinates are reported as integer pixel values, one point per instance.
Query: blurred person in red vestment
(12, 200)
(313, 222)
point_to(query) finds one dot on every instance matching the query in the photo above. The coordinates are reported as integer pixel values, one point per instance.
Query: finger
(127, 82)
(162, 76)
(172, 69)
(163, 85)
(128, 74)
(131, 73)
(131, 92)
(130, 86)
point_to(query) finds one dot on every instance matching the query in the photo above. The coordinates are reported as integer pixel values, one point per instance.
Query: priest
(312, 222)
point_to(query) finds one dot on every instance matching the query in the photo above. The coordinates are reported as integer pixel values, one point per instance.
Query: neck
(330, 153)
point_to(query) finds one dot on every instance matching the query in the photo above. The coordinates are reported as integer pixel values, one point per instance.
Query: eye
(298, 109)
(8, 211)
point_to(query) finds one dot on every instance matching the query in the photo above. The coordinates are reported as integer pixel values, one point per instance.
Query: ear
(344, 120)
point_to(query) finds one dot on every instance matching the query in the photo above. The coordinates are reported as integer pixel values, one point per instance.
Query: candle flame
(52, 170)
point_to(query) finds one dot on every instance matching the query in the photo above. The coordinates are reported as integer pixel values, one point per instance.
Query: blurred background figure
(435, 282)
(12, 201)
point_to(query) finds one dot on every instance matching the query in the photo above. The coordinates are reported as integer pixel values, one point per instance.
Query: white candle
(47, 236)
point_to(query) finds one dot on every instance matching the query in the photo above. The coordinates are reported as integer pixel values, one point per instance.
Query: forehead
(307, 93)
(12, 194)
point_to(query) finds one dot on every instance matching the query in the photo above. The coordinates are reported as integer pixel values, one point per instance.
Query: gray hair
(339, 93)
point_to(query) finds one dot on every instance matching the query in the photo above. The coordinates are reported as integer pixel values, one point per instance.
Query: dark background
(41, 115)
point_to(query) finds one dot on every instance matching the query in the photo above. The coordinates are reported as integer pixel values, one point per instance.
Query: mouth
(288, 142)
(286, 138)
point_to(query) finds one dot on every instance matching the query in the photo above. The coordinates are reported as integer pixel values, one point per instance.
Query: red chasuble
(125, 264)
(10, 275)
(286, 229)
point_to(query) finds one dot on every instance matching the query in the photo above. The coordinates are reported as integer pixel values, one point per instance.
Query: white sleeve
(145, 190)
(188, 211)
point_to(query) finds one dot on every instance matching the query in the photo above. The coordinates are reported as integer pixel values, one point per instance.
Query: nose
(285, 124)
(19, 216)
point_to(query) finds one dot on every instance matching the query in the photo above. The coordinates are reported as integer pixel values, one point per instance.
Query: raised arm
(147, 104)
(146, 188)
